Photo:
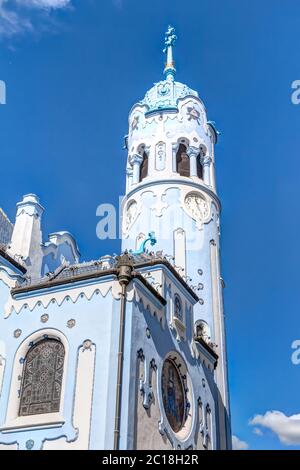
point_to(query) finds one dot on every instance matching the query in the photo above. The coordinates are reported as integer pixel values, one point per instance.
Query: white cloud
(258, 432)
(287, 428)
(44, 3)
(237, 444)
(10, 22)
(17, 16)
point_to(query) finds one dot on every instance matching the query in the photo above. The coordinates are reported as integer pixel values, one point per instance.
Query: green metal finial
(170, 39)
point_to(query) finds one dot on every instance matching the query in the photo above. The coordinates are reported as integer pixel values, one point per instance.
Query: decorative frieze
(66, 295)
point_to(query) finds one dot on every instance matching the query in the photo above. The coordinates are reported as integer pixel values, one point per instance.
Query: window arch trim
(42, 377)
(13, 420)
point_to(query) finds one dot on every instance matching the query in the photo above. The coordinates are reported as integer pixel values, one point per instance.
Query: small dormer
(60, 248)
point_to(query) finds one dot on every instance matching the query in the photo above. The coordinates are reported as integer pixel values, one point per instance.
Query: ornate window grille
(42, 378)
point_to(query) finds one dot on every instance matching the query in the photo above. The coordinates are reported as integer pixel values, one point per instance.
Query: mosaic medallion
(71, 323)
(173, 395)
(87, 345)
(29, 444)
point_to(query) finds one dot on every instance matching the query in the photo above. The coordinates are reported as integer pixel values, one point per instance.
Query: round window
(173, 394)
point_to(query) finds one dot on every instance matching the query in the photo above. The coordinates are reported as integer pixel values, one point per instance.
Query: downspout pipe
(125, 267)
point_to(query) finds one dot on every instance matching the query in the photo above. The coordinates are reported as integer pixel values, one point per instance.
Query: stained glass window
(42, 378)
(173, 395)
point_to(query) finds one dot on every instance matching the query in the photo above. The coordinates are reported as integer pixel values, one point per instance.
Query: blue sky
(73, 72)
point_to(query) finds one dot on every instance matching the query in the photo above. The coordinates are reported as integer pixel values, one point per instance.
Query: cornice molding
(179, 182)
(45, 299)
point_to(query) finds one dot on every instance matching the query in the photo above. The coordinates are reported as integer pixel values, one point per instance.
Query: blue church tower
(123, 352)
(171, 190)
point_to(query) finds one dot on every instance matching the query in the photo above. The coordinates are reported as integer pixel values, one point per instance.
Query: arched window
(42, 378)
(174, 395)
(199, 167)
(182, 161)
(178, 308)
(202, 331)
(144, 167)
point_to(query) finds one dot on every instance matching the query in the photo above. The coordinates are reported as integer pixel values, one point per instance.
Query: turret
(26, 241)
(171, 191)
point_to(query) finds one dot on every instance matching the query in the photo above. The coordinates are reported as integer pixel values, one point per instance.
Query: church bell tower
(171, 191)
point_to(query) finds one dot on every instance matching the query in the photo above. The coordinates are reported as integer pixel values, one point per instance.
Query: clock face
(173, 395)
(197, 206)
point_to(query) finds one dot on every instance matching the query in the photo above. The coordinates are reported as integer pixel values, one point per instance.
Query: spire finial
(170, 38)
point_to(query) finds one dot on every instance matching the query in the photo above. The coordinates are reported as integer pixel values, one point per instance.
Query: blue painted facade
(170, 300)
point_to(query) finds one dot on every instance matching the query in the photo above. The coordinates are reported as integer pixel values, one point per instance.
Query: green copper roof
(165, 95)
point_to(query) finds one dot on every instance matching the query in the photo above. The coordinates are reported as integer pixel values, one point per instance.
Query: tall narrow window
(144, 167)
(42, 378)
(209, 427)
(178, 308)
(182, 161)
(199, 167)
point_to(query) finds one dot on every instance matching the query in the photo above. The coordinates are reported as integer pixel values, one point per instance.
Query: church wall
(147, 420)
(89, 328)
(151, 342)
(160, 208)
